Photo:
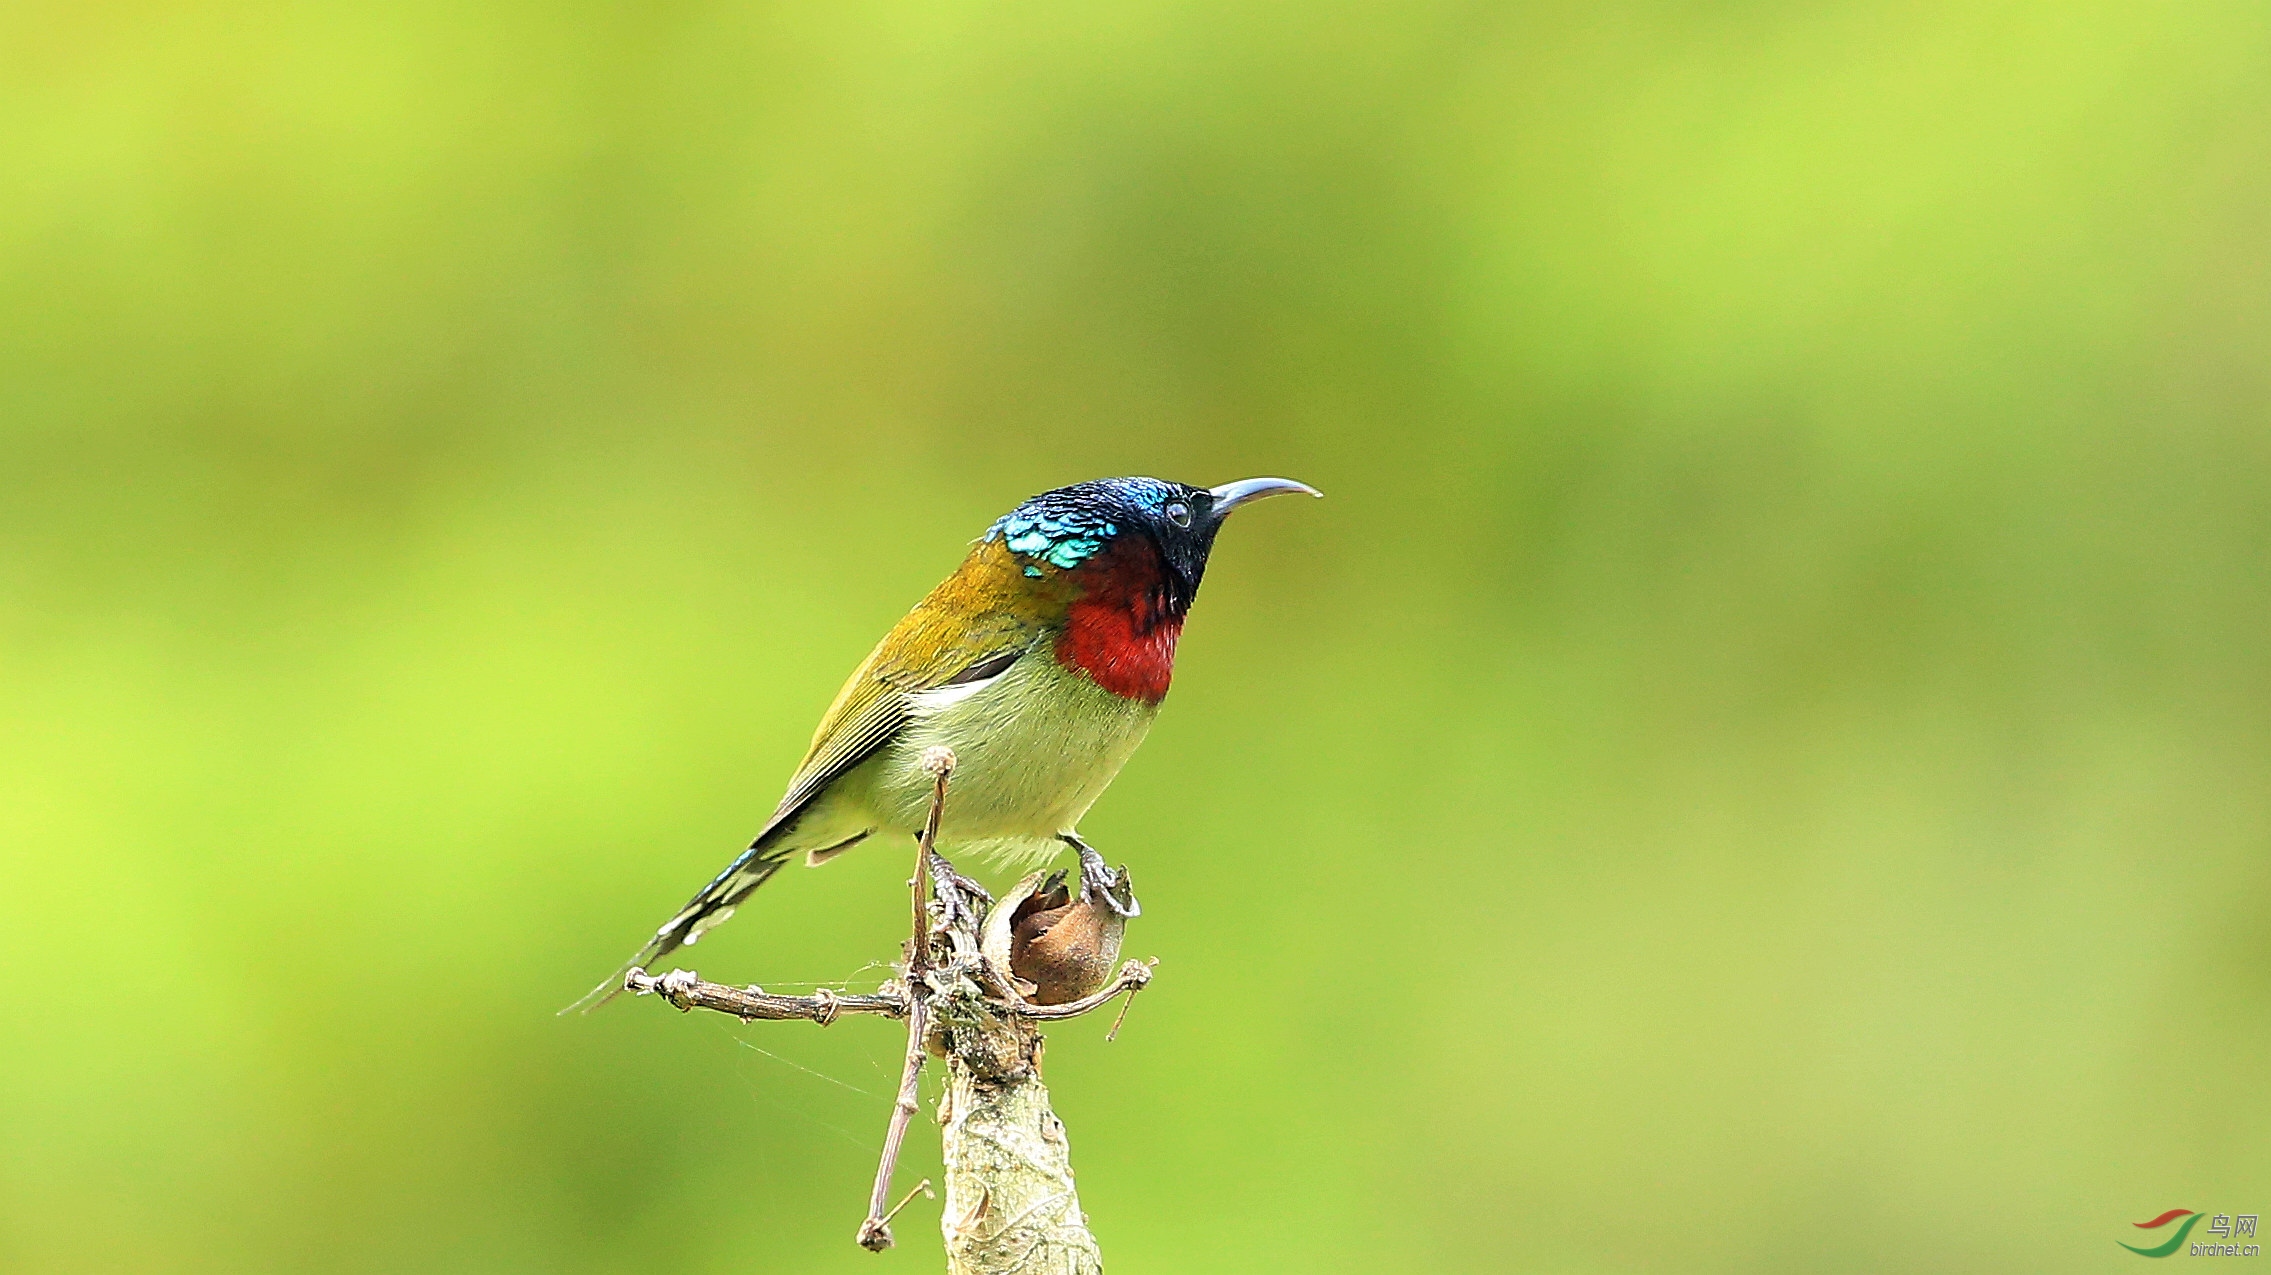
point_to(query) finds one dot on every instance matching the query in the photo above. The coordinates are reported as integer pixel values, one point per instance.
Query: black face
(1182, 521)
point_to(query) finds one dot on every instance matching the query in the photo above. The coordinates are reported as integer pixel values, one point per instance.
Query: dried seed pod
(1051, 946)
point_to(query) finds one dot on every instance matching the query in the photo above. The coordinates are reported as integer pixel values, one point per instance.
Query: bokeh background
(1760, 763)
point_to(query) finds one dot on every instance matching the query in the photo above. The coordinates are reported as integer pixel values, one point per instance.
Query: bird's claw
(954, 892)
(1099, 881)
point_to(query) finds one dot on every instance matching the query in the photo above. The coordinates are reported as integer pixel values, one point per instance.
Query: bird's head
(1129, 524)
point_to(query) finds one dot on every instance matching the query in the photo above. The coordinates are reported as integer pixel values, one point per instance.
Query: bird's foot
(1099, 881)
(955, 894)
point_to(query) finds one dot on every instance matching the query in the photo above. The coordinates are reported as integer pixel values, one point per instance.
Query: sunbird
(1040, 662)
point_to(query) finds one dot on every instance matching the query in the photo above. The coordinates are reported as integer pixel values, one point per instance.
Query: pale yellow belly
(1033, 748)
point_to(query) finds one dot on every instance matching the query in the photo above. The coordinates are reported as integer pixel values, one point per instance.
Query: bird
(1041, 662)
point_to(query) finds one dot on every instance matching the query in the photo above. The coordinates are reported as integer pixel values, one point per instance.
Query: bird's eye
(1178, 513)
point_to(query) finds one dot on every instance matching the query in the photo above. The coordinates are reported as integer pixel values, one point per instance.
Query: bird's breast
(1034, 748)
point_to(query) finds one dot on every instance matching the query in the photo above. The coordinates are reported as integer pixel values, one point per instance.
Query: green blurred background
(1759, 763)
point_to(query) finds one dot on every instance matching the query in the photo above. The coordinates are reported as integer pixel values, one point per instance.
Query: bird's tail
(713, 905)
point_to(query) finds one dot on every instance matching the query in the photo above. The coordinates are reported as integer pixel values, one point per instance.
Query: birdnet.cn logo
(2223, 1233)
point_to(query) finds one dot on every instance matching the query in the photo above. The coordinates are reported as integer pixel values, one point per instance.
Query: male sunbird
(1041, 662)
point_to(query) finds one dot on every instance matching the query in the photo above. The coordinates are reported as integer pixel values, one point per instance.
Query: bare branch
(1133, 977)
(686, 990)
(875, 1232)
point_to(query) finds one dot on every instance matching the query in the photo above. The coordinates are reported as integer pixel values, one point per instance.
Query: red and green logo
(2174, 1242)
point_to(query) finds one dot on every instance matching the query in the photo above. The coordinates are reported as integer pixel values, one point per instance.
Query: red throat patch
(1104, 643)
(1114, 634)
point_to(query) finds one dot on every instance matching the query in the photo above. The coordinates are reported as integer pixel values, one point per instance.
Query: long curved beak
(1231, 495)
